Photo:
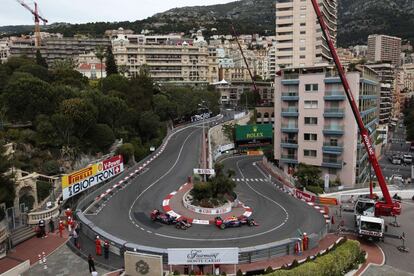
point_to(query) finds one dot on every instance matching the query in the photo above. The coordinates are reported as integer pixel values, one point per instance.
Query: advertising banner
(79, 181)
(204, 171)
(177, 256)
(254, 132)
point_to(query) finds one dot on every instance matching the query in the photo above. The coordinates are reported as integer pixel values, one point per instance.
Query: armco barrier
(118, 246)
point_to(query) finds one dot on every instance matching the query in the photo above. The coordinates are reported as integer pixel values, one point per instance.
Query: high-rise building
(299, 39)
(384, 48)
(314, 123)
(386, 74)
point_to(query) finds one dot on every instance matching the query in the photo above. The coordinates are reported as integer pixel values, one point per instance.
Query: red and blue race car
(234, 222)
(165, 218)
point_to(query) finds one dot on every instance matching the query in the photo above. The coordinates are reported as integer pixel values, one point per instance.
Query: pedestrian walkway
(31, 249)
(63, 262)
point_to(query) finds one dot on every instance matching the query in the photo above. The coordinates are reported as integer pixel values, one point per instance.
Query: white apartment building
(90, 66)
(384, 48)
(386, 75)
(299, 39)
(314, 123)
(169, 59)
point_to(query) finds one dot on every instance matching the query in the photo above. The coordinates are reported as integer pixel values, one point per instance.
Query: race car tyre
(222, 226)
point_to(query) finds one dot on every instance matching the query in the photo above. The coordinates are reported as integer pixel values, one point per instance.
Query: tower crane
(37, 19)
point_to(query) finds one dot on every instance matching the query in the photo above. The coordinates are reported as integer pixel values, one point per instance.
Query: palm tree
(100, 54)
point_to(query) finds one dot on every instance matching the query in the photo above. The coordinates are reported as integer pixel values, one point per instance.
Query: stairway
(22, 234)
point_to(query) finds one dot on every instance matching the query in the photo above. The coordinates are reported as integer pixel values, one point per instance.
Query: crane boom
(36, 15)
(389, 207)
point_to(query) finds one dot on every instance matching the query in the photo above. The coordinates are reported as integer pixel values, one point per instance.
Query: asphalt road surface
(399, 146)
(126, 215)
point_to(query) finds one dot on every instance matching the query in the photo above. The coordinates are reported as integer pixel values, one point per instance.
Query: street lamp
(203, 105)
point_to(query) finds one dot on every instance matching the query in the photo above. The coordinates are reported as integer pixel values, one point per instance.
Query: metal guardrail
(4, 234)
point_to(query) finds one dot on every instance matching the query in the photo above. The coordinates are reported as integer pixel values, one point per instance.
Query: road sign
(204, 171)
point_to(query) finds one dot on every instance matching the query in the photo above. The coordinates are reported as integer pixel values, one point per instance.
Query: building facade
(386, 74)
(171, 60)
(299, 39)
(384, 48)
(314, 123)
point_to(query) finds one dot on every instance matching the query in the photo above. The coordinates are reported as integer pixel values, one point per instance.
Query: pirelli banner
(79, 181)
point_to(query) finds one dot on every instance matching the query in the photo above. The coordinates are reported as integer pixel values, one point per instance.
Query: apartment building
(386, 74)
(299, 39)
(172, 60)
(4, 50)
(314, 123)
(384, 48)
(231, 92)
(90, 66)
(57, 48)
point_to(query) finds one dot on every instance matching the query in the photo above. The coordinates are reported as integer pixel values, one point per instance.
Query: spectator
(106, 249)
(75, 238)
(98, 246)
(51, 226)
(91, 264)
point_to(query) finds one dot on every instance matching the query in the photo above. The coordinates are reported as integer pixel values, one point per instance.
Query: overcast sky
(81, 11)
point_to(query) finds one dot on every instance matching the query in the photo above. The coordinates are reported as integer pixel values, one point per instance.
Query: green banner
(254, 132)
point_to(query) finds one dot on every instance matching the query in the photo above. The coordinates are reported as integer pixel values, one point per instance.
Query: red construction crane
(37, 19)
(388, 207)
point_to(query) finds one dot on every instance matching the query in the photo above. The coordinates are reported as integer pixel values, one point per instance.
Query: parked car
(396, 160)
(407, 158)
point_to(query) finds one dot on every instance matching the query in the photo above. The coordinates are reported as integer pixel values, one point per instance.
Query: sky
(82, 11)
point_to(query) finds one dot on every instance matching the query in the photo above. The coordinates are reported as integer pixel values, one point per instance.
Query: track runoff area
(280, 218)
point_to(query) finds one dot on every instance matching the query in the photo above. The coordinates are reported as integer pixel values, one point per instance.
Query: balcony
(290, 79)
(333, 130)
(290, 96)
(289, 143)
(332, 163)
(290, 128)
(289, 158)
(334, 113)
(290, 112)
(332, 148)
(334, 95)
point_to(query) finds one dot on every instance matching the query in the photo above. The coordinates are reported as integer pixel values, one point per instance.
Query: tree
(26, 97)
(253, 98)
(100, 54)
(111, 68)
(127, 152)
(308, 175)
(163, 107)
(115, 82)
(41, 61)
(101, 137)
(81, 112)
(149, 125)
(6, 181)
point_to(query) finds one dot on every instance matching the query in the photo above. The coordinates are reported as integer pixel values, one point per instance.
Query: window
(311, 87)
(302, 56)
(311, 120)
(302, 41)
(303, 24)
(302, 32)
(311, 104)
(302, 15)
(310, 136)
(303, 8)
(309, 153)
(302, 48)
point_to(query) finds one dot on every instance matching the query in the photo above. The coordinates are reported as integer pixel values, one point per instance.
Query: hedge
(340, 260)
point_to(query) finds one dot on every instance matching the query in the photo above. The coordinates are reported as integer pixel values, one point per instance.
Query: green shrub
(43, 189)
(344, 258)
(176, 272)
(239, 273)
(269, 269)
(315, 189)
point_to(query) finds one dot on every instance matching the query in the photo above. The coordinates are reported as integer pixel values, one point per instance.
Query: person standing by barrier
(75, 238)
(106, 249)
(91, 264)
(51, 226)
(61, 227)
(98, 246)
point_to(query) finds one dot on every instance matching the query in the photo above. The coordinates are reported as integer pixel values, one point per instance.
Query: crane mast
(388, 207)
(37, 19)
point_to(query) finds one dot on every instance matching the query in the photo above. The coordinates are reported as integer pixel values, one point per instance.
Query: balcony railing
(289, 156)
(334, 112)
(333, 161)
(290, 109)
(290, 94)
(289, 141)
(328, 144)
